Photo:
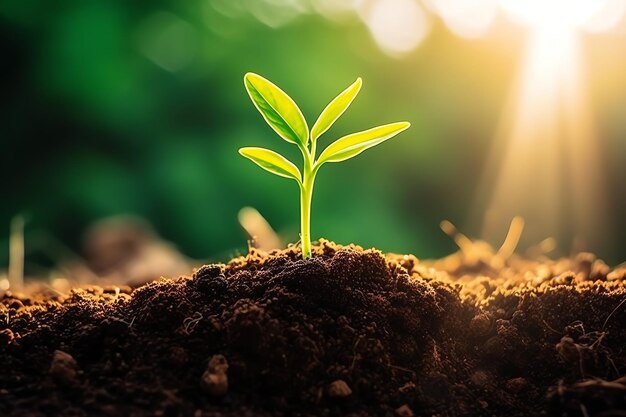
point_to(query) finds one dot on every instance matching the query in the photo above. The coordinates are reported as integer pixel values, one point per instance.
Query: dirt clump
(350, 332)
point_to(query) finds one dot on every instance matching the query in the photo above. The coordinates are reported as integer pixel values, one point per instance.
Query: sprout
(284, 116)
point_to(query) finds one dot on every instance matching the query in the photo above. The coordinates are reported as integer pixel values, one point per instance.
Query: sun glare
(546, 161)
(553, 13)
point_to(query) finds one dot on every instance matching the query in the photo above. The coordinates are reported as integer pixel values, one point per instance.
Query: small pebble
(338, 389)
(404, 411)
(516, 385)
(480, 378)
(63, 367)
(215, 379)
(568, 350)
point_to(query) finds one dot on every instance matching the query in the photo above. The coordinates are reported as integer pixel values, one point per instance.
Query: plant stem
(306, 194)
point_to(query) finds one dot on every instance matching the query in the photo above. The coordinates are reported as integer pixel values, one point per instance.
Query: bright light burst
(553, 13)
(550, 169)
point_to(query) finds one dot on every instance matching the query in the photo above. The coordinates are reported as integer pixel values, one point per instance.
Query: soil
(350, 332)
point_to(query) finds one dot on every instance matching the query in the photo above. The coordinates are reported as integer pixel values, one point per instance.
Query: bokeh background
(120, 107)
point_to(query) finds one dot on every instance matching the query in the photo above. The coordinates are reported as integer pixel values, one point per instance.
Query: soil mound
(348, 332)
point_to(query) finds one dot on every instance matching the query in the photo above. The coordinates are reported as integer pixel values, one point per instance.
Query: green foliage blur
(112, 107)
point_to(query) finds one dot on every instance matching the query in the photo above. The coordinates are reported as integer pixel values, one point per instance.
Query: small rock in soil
(404, 411)
(63, 367)
(338, 389)
(215, 379)
(568, 350)
(516, 385)
(480, 378)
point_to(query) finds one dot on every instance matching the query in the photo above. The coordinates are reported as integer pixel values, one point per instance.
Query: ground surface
(349, 332)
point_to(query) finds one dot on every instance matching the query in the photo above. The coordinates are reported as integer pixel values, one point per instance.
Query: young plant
(284, 116)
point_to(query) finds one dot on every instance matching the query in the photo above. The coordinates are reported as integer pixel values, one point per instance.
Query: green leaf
(272, 162)
(278, 109)
(335, 109)
(352, 145)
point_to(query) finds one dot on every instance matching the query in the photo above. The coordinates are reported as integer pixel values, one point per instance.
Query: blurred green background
(112, 107)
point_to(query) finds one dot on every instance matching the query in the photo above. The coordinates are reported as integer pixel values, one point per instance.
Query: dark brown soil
(347, 333)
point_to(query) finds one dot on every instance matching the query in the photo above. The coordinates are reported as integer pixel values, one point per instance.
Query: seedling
(284, 116)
